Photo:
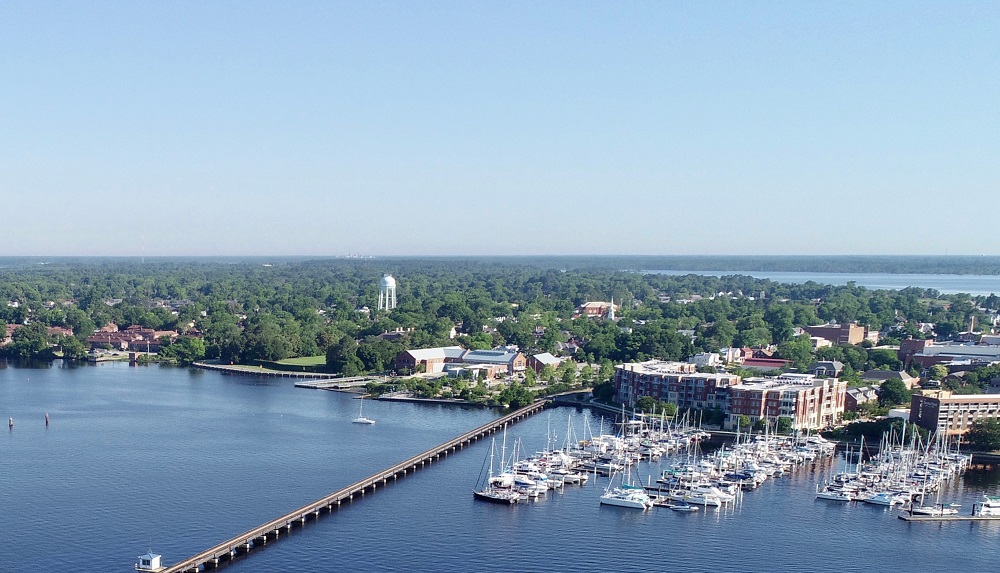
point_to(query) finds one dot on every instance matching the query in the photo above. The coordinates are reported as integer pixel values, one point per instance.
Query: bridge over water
(272, 530)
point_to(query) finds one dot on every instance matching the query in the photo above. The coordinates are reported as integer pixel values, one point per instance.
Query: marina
(221, 455)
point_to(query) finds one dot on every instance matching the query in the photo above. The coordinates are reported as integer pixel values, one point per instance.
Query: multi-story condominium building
(942, 411)
(675, 382)
(807, 401)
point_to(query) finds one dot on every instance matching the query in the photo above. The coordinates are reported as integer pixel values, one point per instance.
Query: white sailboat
(497, 489)
(361, 419)
(626, 494)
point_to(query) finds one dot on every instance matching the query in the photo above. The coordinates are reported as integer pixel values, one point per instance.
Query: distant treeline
(245, 310)
(958, 265)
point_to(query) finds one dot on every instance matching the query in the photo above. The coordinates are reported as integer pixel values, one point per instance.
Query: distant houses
(828, 368)
(135, 338)
(857, 397)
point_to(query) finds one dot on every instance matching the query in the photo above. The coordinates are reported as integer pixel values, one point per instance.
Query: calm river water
(176, 460)
(946, 284)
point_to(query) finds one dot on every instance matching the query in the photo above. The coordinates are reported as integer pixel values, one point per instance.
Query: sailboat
(626, 494)
(361, 419)
(937, 510)
(496, 489)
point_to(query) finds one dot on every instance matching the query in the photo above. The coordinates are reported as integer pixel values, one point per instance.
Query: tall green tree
(937, 372)
(342, 357)
(885, 359)
(185, 349)
(376, 354)
(516, 396)
(984, 434)
(31, 341)
(893, 392)
(798, 350)
(72, 348)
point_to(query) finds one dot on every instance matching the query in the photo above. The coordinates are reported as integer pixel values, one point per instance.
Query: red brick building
(674, 382)
(807, 401)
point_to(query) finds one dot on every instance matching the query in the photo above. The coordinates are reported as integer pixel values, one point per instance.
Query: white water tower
(387, 293)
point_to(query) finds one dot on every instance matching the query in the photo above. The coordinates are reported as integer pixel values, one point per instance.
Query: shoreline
(447, 401)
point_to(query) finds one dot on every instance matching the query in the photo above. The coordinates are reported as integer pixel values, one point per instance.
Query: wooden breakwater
(245, 542)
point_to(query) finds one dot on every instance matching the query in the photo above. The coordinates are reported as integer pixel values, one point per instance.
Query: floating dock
(908, 517)
(338, 383)
(270, 531)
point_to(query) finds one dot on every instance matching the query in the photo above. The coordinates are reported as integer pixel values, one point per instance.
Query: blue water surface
(176, 460)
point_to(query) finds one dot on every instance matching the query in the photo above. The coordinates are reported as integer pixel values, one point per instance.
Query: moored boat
(935, 510)
(833, 495)
(627, 496)
(683, 507)
(988, 506)
(495, 489)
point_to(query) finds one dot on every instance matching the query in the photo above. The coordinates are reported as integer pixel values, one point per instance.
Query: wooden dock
(272, 530)
(242, 370)
(907, 517)
(337, 383)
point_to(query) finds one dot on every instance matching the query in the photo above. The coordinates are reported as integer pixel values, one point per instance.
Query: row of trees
(248, 312)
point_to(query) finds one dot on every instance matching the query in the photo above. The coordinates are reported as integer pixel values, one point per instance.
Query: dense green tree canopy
(30, 341)
(246, 311)
(984, 434)
(893, 392)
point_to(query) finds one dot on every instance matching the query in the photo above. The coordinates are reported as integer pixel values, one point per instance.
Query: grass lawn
(305, 361)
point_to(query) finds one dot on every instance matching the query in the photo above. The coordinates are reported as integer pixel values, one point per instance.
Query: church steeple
(611, 312)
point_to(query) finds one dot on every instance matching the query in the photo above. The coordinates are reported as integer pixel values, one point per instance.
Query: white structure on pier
(149, 562)
(387, 293)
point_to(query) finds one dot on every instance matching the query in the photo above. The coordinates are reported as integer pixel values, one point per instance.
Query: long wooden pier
(241, 370)
(338, 383)
(270, 531)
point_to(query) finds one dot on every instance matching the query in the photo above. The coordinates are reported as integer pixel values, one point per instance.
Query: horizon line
(360, 256)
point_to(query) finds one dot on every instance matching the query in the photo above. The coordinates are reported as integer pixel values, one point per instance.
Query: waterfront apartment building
(807, 401)
(952, 414)
(675, 382)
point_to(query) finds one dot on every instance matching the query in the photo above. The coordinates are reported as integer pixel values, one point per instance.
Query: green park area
(305, 361)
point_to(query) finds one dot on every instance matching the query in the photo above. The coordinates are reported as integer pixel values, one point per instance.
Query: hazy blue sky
(326, 128)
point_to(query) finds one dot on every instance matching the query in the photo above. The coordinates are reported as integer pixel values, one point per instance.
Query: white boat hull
(620, 502)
